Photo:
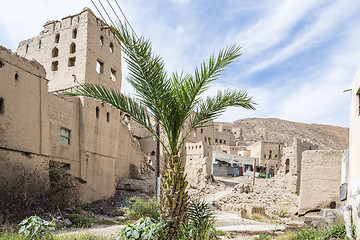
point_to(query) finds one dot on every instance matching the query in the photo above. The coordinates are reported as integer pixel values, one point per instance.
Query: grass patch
(13, 235)
(139, 208)
(336, 231)
(80, 221)
(104, 222)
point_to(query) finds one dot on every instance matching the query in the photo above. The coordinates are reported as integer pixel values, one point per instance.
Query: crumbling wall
(196, 165)
(320, 179)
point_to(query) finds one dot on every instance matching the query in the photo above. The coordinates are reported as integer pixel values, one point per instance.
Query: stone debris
(265, 198)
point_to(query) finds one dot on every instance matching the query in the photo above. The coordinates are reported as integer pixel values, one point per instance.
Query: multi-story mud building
(39, 124)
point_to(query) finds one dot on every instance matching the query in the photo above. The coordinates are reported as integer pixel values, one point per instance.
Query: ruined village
(259, 176)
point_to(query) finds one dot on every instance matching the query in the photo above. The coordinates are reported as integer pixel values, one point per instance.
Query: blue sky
(298, 55)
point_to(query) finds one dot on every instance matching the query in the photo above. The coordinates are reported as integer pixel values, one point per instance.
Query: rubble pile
(265, 194)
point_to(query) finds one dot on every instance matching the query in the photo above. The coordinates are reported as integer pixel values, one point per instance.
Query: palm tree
(173, 100)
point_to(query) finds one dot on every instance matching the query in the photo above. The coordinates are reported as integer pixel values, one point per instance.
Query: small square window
(99, 67)
(72, 61)
(65, 136)
(55, 66)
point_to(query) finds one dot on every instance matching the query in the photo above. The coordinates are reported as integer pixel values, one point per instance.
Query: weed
(263, 236)
(220, 233)
(88, 207)
(139, 208)
(80, 221)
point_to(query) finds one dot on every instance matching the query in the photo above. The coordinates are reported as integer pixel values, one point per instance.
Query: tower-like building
(91, 138)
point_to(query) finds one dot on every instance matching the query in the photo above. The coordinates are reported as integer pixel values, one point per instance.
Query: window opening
(27, 48)
(74, 33)
(97, 112)
(55, 52)
(16, 76)
(220, 141)
(287, 166)
(57, 38)
(101, 41)
(216, 140)
(108, 117)
(72, 48)
(1, 64)
(99, 67)
(358, 96)
(54, 66)
(39, 44)
(224, 141)
(2, 106)
(111, 47)
(112, 75)
(152, 153)
(72, 61)
(65, 136)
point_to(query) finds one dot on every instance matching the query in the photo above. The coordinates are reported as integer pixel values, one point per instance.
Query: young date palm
(172, 100)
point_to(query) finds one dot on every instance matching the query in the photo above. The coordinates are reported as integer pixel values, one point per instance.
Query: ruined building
(38, 124)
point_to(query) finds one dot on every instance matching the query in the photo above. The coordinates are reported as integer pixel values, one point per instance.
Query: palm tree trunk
(175, 197)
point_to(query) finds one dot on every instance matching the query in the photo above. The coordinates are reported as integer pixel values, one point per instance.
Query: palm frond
(117, 100)
(213, 107)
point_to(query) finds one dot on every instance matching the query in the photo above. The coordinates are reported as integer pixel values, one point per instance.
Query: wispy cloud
(298, 55)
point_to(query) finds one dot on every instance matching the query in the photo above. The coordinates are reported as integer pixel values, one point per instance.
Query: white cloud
(312, 35)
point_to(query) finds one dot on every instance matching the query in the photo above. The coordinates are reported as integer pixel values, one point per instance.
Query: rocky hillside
(277, 130)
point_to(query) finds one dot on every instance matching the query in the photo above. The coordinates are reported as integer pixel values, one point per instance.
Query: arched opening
(287, 166)
(16, 76)
(74, 33)
(152, 153)
(111, 47)
(332, 205)
(57, 38)
(72, 48)
(55, 52)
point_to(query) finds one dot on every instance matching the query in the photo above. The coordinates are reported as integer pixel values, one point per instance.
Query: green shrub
(35, 227)
(201, 222)
(80, 221)
(144, 228)
(88, 207)
(138, 208)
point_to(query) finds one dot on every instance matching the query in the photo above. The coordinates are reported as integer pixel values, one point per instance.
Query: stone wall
(320, 179)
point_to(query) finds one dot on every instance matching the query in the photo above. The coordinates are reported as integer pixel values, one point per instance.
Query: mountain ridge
(279, 130)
